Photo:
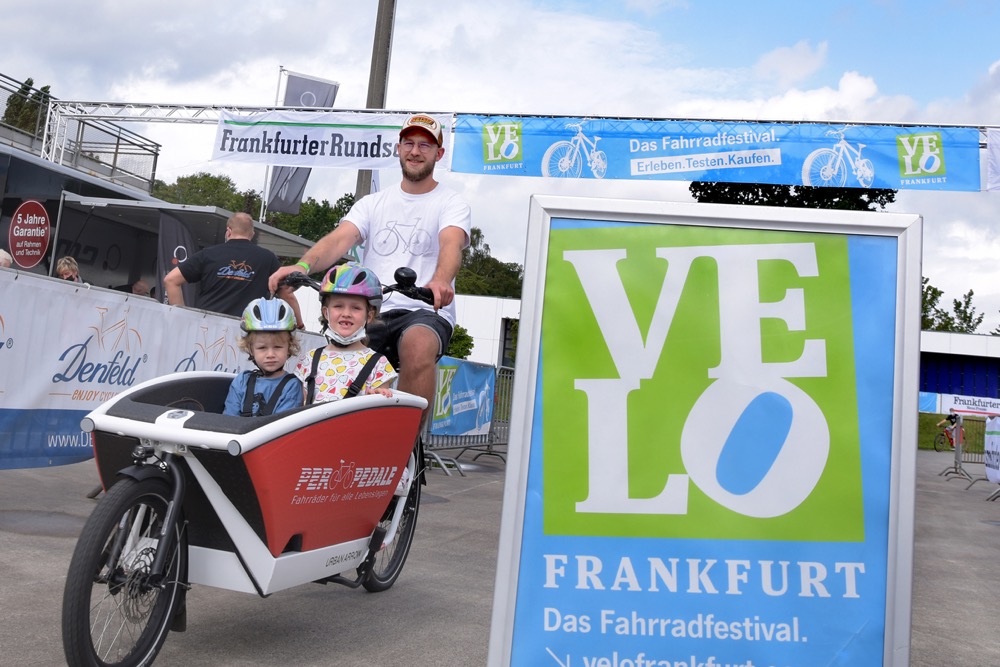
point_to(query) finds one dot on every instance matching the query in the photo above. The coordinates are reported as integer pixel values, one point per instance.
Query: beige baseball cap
(422, 121)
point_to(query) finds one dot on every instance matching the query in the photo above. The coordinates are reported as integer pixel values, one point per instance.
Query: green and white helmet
(268, 315)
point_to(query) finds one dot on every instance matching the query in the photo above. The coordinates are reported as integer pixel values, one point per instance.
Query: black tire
(112, 614)
(940, 442)
(389, 561)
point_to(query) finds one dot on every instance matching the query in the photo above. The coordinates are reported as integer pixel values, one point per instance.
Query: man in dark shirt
(229, 275)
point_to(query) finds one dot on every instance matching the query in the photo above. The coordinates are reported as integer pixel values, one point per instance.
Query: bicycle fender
(140, 473)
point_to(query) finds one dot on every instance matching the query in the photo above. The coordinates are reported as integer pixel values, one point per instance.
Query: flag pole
(267, 170)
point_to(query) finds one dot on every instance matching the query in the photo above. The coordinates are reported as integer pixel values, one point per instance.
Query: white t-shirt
(401, 229)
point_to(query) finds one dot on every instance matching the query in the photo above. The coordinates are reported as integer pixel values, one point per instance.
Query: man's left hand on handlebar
(443, 293)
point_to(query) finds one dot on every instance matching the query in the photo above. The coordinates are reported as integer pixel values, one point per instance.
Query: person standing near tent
(421, 224)
(229, 275)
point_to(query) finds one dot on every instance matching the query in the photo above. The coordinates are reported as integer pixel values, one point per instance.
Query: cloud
(789, 65)
(653, 7)
(522, 57)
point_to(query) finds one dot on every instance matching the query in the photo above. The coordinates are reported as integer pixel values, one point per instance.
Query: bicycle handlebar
(405, 284)
(406, 279)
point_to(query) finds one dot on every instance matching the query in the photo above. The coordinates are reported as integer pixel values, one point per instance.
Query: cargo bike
(326, 493)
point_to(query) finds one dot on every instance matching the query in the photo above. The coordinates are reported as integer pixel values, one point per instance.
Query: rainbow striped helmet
(354, 279)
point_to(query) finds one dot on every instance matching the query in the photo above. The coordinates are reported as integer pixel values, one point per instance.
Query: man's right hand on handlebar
(443, 293)
(274, 282)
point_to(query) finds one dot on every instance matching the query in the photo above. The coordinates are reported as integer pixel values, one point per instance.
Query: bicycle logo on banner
(827, 167)
(118, 334)
(564, 159)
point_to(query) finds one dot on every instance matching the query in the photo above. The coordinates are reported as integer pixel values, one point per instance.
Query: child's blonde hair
(246, 342)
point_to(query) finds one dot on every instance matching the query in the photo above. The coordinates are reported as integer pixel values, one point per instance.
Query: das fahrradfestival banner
(814, 154)
(706, 465)
(315, 139)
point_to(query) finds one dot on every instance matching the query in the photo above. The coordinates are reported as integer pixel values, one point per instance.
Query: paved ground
(439, 611)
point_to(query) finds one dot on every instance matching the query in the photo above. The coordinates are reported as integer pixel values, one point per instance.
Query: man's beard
(420, 174)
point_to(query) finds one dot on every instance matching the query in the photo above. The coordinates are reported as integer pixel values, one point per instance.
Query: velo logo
(920, 155)
(502, 142)
(442, 401)
(714, 380)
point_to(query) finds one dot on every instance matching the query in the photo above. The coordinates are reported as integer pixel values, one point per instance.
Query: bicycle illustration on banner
(827, 167)
(564, 159)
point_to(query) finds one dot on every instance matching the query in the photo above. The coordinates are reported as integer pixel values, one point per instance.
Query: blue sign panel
(812, 154)
(464, 401)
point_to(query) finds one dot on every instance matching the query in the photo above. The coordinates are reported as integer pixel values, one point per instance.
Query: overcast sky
(928, 62)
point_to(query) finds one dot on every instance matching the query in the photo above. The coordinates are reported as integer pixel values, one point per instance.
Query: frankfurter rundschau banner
(706, 463)
(315, 139)
(814, 154)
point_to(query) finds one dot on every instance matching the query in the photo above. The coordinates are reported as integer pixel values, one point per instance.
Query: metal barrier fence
(968, 449)
(492, 443)
(97, 147)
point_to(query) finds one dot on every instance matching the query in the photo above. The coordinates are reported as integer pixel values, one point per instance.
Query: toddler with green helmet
(269, 341)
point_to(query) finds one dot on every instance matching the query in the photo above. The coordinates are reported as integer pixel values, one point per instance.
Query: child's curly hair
(246, 342)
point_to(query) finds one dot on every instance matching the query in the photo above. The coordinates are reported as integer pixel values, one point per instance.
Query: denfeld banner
(707, 467)
(814, 154)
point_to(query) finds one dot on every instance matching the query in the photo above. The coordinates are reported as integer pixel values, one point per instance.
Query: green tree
(312, 222)
(314, 219)
(461, 343)
(28, 108)
(481, 274)
(964, 319)
(205, 189)
(932, 318)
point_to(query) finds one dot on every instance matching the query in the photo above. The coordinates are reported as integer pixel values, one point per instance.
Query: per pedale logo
(502, 145)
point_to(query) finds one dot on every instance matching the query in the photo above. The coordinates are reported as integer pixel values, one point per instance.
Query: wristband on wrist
(303, 264)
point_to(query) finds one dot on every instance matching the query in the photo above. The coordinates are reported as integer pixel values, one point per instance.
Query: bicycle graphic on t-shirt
(236, 271)
(415, 241)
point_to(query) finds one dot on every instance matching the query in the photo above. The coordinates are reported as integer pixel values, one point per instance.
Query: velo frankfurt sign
(705, 468)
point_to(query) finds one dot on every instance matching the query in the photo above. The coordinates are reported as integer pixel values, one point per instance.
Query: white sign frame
(905, 228)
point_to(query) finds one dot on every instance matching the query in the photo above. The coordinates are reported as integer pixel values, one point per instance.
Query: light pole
(378, 79)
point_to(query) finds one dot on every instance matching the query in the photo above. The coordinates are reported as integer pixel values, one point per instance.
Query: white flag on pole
(993, 158)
